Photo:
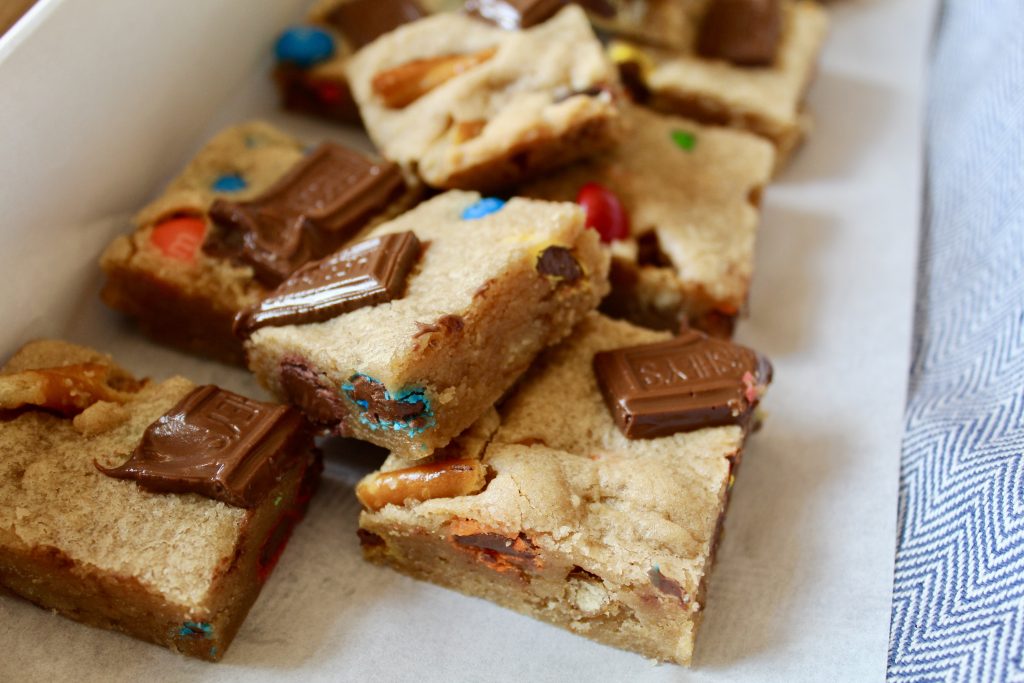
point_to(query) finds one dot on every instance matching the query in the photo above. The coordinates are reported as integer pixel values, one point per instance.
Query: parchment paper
(103, 102)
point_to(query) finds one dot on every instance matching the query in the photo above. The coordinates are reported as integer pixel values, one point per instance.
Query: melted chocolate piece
(368, 539)
(592, 91)
(311, 211)
(379, 406)
(519, 547)
(220, 445)
(602, 8)
(306, 391)
(363, 21)
(514, 14)
(364, 274)
(744, 32)
(632, 76)
(668, 586)
(649, 251)
(558, 262)
(680, 385)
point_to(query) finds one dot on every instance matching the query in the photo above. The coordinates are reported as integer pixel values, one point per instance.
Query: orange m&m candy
(179, 237)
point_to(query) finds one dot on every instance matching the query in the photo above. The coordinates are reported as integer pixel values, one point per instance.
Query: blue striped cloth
(958, 602)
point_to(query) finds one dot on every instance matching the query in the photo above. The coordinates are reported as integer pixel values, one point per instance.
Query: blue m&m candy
(481, 208)
(304, 46)
(231, 182)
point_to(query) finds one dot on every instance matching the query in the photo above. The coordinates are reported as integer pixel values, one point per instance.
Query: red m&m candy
(179, 237)
(604, 212)
(329, 92)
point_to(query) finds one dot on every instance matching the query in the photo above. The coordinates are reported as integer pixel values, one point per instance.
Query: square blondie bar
(194, 261)
(692, 195)
(162, 558)
(548, 508)
(489, 286)
(467, 105)
(763, 98)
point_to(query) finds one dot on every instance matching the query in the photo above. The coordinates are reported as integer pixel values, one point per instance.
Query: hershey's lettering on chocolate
(744, 32)
(311, 211)
(558, 262)
(364, 274)
(682, 384)
(220, 445)
(514, 14)
(363, 21)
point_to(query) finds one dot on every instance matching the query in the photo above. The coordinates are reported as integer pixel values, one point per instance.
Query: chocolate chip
(649, 252)
(519, 547)
(368, 539)
(668, 586)
(632, 75)
(682, 384)
(558, 262)
(592, 91)
(744, 32)
(579, 573)
(452, 324)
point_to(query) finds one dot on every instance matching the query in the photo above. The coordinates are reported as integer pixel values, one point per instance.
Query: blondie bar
(172, 546)
(408, 337)
(692, 196)
(250, 207)
(465, 104)
(593, 498)
(747, 65)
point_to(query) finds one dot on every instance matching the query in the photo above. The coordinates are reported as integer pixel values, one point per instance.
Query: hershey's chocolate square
(364, 274)
(744, 32)
(682, 384)
(363, 21)
(220, 445)
(308, 213)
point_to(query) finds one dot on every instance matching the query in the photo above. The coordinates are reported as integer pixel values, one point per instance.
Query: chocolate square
(220, 445)
(744, 32)
(363, 21)
(308, 213)
(683, 384)
(364, 274)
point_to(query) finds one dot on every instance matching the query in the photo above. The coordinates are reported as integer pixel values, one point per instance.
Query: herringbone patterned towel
(958, 603)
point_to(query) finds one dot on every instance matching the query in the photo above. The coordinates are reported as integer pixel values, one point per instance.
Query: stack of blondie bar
(525, 295)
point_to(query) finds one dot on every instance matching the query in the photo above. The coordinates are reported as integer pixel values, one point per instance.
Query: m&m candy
(684, 139)
(304, 46)
(482, 207)
(179, 237)
(604, 212)
(229, 182)
(329, 92)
